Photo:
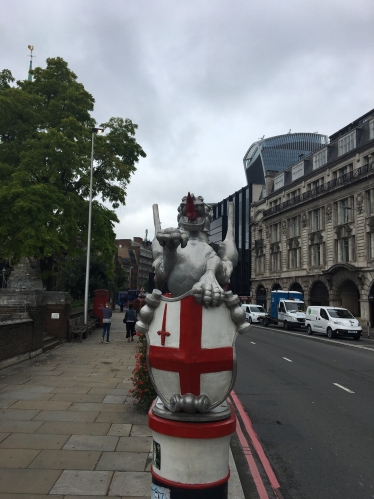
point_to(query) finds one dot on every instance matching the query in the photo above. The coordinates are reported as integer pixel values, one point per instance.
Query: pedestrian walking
(130, 319)
(107, 320)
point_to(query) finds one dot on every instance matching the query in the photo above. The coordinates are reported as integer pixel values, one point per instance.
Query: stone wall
(18, 341)
(26, 316)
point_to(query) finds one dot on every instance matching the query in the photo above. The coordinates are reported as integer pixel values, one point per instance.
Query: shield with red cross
(191, 350)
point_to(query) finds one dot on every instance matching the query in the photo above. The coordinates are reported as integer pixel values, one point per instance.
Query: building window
(316, 219)
(371, 127)
(344, 211)
(315, 184)
(320, 159)
(279, 181)
(275, 258)
(293, 253)
(345, 245)
(297, 171)
(316, 255)
(347, 143)
(370, 240)
(294, 226)
(275, 232)
(275, 202)
(293, 194)
(260, 261)
(369, 201)
(345, 173)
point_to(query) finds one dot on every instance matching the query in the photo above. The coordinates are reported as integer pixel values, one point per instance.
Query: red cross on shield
(198, 354)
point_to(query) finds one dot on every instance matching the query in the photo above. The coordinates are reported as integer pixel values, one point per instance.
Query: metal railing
(329, 186)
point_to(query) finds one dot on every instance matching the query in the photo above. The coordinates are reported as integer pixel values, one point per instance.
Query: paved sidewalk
(68, 427)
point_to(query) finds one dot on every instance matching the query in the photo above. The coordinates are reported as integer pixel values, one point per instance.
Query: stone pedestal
(190, 459)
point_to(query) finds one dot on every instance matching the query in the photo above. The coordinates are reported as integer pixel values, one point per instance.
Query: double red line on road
(254, 443)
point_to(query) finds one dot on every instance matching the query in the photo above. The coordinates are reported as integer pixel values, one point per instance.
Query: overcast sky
(203, 79)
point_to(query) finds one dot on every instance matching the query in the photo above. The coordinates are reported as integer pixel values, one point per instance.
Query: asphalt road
(318, 436)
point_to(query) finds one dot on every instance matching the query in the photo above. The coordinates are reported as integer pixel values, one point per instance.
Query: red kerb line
(255, 442)
(251, 464)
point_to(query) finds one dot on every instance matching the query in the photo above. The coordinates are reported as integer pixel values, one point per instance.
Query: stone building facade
(313, 226)
(135, 256)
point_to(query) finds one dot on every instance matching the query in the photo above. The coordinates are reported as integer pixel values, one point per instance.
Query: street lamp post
(94, 132)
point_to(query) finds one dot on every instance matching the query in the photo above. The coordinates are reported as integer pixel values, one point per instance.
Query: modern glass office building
(240, 279)
(278, 153)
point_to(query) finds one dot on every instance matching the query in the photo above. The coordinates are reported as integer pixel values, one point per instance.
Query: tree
(45, 158)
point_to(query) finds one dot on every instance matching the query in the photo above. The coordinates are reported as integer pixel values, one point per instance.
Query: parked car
(253, 312)
(334, 321)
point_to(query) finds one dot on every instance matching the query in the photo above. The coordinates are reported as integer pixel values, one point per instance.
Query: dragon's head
(193, 214)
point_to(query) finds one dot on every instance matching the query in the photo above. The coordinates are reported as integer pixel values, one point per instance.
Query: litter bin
(101, 297)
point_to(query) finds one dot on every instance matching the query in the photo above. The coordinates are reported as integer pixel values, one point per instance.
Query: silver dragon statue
(185, 260)
(191, 335)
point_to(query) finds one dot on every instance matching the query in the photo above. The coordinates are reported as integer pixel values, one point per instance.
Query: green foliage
(71, 277)
(45, 161)
(143, 391)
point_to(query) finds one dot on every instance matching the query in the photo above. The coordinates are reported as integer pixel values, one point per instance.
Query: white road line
(314, 338)
(285, 358)
(343, 388)
(253, 343)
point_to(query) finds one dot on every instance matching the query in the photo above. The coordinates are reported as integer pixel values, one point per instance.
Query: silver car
(253, 312)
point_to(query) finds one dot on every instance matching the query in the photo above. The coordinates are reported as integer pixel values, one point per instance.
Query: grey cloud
(202, 79)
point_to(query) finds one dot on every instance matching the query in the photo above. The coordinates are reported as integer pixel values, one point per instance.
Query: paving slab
(114, 399)
(113, 417)
(66, 460)
(77, 397)
(30, 496)
(44, 371)
(3, 436)
(134, 444)
(17, 458)
(91, 442)
(91, 483)
(18, 414)
(25, 395)
(5, 403)
(119, 430)
(71, 389)
(34, 441)
(110, 391)
(91, 497)
(81, 407)
(140, 430)
(41, 404)
(19, 426)
(29, 388)
(130, 483)
(25, 481)
(74, 428)
(88, 417)
(122, 461)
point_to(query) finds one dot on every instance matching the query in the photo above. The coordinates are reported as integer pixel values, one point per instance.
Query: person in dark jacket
(130, 319)
(107, 320)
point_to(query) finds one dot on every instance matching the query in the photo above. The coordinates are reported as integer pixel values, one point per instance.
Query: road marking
(256, 443)
(253, 343)
(316, 338)
(343, 388)
(285, 358)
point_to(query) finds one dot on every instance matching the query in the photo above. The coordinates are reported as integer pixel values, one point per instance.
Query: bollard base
(164, 490)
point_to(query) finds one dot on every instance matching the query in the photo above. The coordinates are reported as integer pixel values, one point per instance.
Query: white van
(253, 312)
(334, 321)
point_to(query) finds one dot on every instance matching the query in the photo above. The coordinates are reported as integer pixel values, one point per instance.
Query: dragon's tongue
(190, 208)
